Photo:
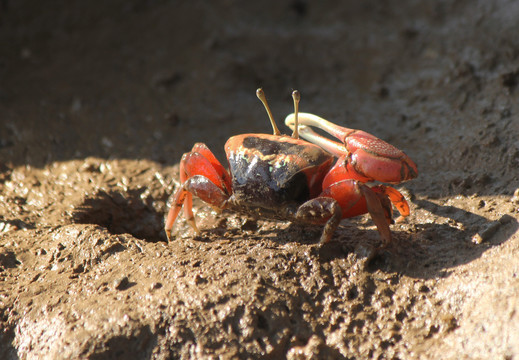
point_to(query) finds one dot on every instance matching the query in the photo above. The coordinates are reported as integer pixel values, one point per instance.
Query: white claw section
(307, 133)
(311, 120)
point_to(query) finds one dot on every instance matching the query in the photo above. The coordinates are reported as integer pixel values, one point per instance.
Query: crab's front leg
(321, 211)
(344, 199)
(355, 199)
(367, 157)
(202, 175)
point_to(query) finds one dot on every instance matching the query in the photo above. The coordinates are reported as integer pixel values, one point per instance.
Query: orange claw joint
(396, 198)
(367, 157)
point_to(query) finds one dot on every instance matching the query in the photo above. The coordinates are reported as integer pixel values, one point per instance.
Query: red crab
(286, 178)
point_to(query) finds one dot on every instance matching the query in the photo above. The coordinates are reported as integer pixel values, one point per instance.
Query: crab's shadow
(424, 251)
(420, 250)
(432, 250)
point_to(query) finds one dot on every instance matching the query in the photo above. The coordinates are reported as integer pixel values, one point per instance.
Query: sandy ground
(97, 105)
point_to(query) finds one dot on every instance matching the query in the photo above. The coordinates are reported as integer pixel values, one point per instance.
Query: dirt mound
(98, 103)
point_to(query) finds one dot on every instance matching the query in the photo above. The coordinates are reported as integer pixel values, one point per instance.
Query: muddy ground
(97, 105)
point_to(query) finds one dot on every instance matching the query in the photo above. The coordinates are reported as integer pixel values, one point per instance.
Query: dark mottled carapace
(269, 171)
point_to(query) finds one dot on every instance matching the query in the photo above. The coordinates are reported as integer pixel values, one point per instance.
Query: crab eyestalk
(261, 95)
(297, 97)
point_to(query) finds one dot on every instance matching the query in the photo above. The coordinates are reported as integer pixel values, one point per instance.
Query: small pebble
(477, 239)
(122, 283)
(200, 280)
(515, 197)
(423, 288)
(155, 286)
(487, 232)
(41, 252)
(78, 269)
(5, 227)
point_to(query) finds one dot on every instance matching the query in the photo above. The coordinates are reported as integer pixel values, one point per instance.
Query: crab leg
(356, 199)
(178, 201)
(344, 199)
(203, 176)
(397, 199)
(379, 215)
(188, 202)
(321, 210)
(222, 176)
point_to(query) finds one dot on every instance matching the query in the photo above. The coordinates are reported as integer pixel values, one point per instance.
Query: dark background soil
(98, 103)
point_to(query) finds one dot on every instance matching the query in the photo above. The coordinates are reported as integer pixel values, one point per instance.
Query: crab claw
(367, 157)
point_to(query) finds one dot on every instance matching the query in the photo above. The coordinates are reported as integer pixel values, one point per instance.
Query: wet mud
(98, 104)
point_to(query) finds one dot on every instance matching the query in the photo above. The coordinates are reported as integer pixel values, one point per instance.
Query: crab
(286, 178)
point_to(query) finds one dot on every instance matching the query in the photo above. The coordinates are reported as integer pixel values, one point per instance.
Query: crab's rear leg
(223, 175)
(203, 176)
(188, 202)
(178, 201)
